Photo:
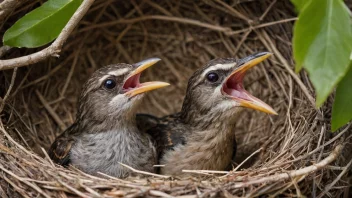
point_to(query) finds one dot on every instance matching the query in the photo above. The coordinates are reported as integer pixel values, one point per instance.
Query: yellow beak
(257, 105)
(251, 61)
(247, 100)
(147, 86)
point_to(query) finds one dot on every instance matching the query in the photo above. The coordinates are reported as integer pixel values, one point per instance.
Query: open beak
(233, 84)
(133, 87)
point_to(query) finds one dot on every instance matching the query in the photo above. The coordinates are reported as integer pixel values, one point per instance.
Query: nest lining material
(292, 154)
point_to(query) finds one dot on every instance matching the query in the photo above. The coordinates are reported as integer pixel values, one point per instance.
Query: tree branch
(6, 8)
(55, 47)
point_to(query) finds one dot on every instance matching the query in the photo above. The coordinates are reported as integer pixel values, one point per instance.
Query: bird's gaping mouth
(132, 85)
(233, 84)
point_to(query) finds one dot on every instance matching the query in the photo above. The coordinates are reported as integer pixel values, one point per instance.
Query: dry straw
(290, 155)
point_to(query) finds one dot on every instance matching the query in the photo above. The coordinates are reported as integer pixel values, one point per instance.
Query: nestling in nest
(290, 155)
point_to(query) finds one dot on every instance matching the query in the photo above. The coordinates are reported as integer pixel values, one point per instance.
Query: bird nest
(292, 154)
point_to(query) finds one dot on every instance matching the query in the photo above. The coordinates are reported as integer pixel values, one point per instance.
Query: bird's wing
(146, 121)
(166, 134)
(59, 151)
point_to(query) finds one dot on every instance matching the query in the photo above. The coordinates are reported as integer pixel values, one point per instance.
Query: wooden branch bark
(55, 47)
(6, 8)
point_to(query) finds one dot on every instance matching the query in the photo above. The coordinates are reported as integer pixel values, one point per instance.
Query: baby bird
(202, 136)
(105, 133)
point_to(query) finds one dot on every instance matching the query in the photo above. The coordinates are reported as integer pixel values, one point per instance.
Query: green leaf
(41, 25)
(299, 4)
(342, 109)
(322, 43)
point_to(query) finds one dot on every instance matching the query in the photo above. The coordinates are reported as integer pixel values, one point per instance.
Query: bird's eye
(109, 84)
(212, 77)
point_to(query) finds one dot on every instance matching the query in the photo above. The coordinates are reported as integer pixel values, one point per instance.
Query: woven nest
(293, 154)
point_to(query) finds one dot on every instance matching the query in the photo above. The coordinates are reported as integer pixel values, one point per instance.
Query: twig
(270, 45)
(6, 7)
(73, 189)
(205, 171)
(233, 11)
(22, 138)
(35, 187)
(261, 26)
(4, 50)
(86, 174)
(2, 192)
(175, 71)
(328, 188)
(267, 10)
(298, 190)
(90, 190)
(51, 111)
(47, 156)
(123, 33)
(55, 47)
(292, 174)
(158, 7)
(159, 194)
(159, 165)
(49, 74)
(68, 79)
(18, 189)
(296, 180)
(243, 39)
(17, 144)
(111, 177)
(143, 172)
(313, 151)
(244, 161)
(159, 17)
(9, 90)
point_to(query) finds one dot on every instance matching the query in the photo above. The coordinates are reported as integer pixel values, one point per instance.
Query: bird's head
(218, 89)
(115, 91)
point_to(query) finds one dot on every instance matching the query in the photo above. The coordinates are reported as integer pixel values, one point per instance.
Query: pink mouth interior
(132, 83)
(234, 87)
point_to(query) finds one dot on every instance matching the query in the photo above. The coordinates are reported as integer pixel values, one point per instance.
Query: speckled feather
(165, 131)
(105, 131)
(201, 136)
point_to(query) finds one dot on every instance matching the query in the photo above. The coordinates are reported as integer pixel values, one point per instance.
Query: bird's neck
(209, 147)
(91, 124)
(103, 151)
(211, 126)
(208, 120)
(209, 142)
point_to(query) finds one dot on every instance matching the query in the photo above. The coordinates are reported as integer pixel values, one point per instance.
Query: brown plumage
(105, 133)
(201, 136)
